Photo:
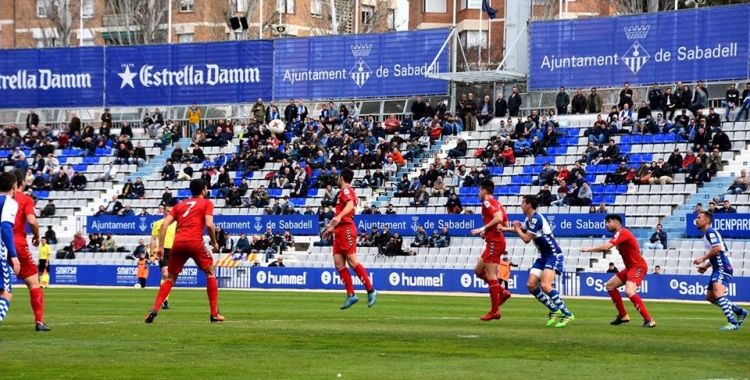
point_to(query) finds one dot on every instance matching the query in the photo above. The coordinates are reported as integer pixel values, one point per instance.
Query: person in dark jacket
(721, 141)
(562, 101)
(485, 110)
(453, 205)
(514, 103)
(501, 106)
(578, 104)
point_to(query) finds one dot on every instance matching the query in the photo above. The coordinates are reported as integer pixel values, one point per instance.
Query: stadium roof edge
(488, 76)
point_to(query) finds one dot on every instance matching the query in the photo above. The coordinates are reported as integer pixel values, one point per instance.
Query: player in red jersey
(193, 216)
(634, 272)
(29, 272)
(495, 223)
(345, 241)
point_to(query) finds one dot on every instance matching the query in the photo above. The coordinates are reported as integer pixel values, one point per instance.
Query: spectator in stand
(618, 177)
(675, 160)
(108, 174)
(713, 119)
(443, 240)
(127, 190)
(698, 173)
(563, 174)
(78, 243)
(422, 198)
(545, 177)
(740, 184)
(578, 103)
(514, 103)
(626, 116)
(127, 211)
(745, 108)
(698, 208)
(544, 196)
(700, 99)
(418, 108)
(687, 162)
(657, 270)
(420, 239)
(726, 208)
(109, 244)
(438, 187)
(602, 209)
(655, 97)
(612, 268)
(501, 106)
(60, 181)
(721, 141)
(663, 174)
(702, 138)
(50, 235)
(49, 209)
(453, 205)
(561, 101)
(485, 110)
(584, 196)
(626, 97)
(658, 239)
(731, 100)
(712, 207)
(562, 194)
(460, 149)
(669, 104)
(594, 102)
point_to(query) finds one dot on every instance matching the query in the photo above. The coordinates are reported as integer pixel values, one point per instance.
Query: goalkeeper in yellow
(168, 241)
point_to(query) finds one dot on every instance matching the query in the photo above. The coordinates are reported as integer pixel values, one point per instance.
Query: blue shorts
(5, 280)
(551, 262)
(723, 277)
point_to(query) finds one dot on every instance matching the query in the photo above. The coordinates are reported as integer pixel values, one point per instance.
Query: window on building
(434, 6)
(87, 10)
(241, 5)
(187, 5)
(367, 11)
(42, 7)
(285, 6)
(472, 38)
(316, 8)
(471, 4)
(391, 19)
(185, 38)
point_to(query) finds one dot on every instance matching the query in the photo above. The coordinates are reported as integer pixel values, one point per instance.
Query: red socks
(212, 288)
(346, 277)
(362, 274)
(617, 300)
(495, 290)
(36, 296)
(164, 290)
(638, 302)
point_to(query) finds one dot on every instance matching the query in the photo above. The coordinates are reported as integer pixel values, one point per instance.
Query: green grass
(100, 334)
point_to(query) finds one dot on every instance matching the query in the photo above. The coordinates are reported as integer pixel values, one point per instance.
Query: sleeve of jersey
(619, 237)
(7, 220)
(714, 239)
(209, 208)
(347, 195)
(29, 208)
(535, 225)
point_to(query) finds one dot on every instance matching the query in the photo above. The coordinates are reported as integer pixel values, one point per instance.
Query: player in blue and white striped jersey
(717, 255)
(550, 262)
(8, 256)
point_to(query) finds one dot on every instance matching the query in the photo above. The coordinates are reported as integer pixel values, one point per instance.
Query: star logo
(127, 78)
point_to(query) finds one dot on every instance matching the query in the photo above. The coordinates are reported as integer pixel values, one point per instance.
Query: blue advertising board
(141, 225)
(225, 72)
(728, 225)
(425, 280)
(118, 275)
(662, 47)
(51, 77)
(661, 286)
(362, 65)
(462, 224)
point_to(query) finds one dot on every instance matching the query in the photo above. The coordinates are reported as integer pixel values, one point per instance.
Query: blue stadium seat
(670, 138)
(596, 199)
(648, 139)
(610, 189)
(516, 180)
(297, 202)
(237, 181)
(315, 173)
(621, 189)
(625, 139)
(80, 167)
(514, 190)
(648, 157)
(91, 160)
(635, 158)
(528, 169)
(611, 168)
(71, 152)
(609, 199)
(183, 193)
(274, 192)
(43, 194)
(103, 151)
(659, 138)
(502, 190)
(497, 170)
(625, 148)
(590, 178)
(597, 188)
(637, 139)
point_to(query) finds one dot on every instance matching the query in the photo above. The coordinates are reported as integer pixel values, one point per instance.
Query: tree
(318, 17)
(139, 22)
(60, 14)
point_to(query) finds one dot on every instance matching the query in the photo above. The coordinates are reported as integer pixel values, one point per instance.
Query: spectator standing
(745, 108)
(626, 97)
(561, 102)
(655, 97)
(194, 118)
(594, 102)
(501, 106)
(515, 101)
(578, 104)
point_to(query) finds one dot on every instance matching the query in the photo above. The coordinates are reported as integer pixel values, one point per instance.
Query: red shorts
(345, 240)
(28, 267)
(492, 252)
(184, 250)
(633, 274)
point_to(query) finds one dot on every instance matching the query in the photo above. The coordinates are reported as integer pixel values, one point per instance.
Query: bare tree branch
(138, 22)
(61, 16)
(321, 25)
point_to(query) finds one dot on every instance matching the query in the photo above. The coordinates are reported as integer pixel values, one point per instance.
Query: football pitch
(100, 334)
